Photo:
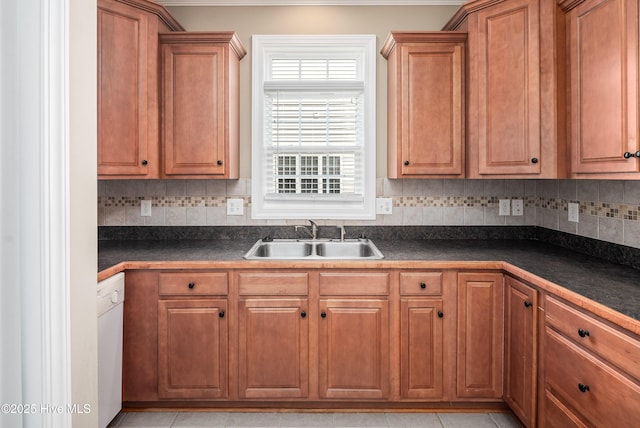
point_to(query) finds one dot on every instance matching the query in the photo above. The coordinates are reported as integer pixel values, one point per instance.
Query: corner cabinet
(520, 349)
(602, 52)
(425, 104)
(128, 87)
(200, 104)
(512, 100)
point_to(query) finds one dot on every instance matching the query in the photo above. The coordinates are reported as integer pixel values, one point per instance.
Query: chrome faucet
(314, 229)
(342, 233)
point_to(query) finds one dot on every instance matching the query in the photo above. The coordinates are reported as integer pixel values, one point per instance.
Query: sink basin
(306, 249)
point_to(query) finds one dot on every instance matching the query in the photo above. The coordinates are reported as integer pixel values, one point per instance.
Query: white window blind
(313, 141)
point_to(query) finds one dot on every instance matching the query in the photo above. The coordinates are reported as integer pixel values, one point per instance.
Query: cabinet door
(603, 62)
(521, 303)
(192, 348)
(421, 349)
(425, 104)
(480, 314)
(273, 348)
(125, 86)
(193, 109)
(354, 348)
(504, 107)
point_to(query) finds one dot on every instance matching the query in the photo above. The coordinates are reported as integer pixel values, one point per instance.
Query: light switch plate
(145, 208)
(235, 206)
(517, 207)
(384, 205)
(504, 207)
(574, 210)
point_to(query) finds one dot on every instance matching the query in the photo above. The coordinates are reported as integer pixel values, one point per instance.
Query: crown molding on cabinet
(310, 2)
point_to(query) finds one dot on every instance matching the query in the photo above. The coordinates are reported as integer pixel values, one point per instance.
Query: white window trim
(281, 208)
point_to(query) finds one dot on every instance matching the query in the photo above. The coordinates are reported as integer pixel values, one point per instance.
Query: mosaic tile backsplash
(608, 209)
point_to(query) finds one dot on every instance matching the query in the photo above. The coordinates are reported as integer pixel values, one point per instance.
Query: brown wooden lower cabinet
(395, 337)
(480, 315)
(520, 347)
(590, 372)
(273, 348)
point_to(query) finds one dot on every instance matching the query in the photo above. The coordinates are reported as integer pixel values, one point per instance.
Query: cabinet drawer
(350, 283)
(273, 283)
(594, 335)
(193, 283)
(604, 396)
(421, 283)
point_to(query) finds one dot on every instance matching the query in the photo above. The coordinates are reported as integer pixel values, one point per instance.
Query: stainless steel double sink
(318, 249)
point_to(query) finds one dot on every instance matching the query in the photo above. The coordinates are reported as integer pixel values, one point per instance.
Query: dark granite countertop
(611, 284)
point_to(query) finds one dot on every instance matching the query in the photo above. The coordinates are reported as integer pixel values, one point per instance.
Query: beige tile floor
(324, 420)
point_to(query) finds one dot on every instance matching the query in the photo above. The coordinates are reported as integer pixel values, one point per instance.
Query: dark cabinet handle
(219, 162)
(221, 314)
(423, 285)
(534, 160)
(145, 162)
(440, 314)
(583, 388)
(527, 304)
(628, 155)
(303, 314)
(406, 163)
(583, 333)
(192, 284)
(323, 314)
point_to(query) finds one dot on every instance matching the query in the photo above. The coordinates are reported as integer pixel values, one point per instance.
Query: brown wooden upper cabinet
(602, 55)
(127, 87)
(425, 104)
(200, 104)
(512, 104)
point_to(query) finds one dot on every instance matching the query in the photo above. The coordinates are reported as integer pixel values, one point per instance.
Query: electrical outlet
(504, 207)
(517, 207)
(574, 210)
(145, 208)
(235, 206)
(384, 205)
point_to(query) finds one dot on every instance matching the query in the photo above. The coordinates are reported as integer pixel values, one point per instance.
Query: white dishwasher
(110, 311)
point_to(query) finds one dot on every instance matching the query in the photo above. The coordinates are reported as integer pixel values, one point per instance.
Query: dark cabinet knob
(303, 314)
(406, 163)
(219, 162)
(423, 285)
(583, 388)
(629, 155)
(534, 160)
(583, 333)
(192, 284)
(145, 162)
(440, 314)
(527, 304)
(221, 314)
(323, 314)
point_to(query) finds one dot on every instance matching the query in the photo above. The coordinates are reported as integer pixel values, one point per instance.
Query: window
(313, 127)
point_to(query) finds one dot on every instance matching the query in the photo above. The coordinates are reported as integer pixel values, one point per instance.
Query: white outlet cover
(504, 207)
(235, 206)
(574, 210)
(517, 207)
(145, 208)
(384, 205)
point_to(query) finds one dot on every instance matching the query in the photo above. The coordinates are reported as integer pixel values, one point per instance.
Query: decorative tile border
(597, 209)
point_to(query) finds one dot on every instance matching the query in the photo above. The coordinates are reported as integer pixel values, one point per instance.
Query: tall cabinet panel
(425, 104)
(200, 109)
(602, 40)
(127, 87)
(512, 89)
